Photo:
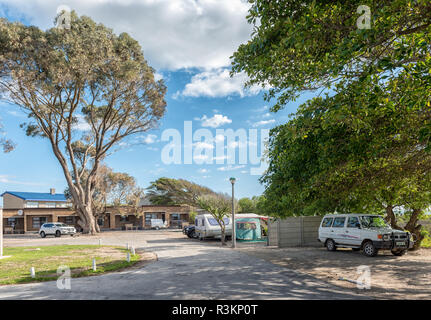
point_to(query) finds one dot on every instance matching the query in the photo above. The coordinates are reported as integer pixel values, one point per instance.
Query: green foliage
(297, 46)
(246, 205)
(167, 191)
(192, 216)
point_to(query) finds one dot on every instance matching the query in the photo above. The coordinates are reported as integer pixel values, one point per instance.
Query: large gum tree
(85, 89)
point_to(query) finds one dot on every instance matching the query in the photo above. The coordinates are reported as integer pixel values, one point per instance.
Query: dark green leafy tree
(85, 90)
(168, 191)
(363, 143)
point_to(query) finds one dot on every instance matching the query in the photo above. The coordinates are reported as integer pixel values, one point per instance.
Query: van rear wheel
(330, 245)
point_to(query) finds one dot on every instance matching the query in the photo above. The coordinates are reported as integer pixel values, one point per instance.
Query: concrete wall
(294, 232)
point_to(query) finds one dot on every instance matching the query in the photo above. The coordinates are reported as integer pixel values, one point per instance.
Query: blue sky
(192, 55)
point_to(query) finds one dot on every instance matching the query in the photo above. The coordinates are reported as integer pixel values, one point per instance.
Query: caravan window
(214, 222)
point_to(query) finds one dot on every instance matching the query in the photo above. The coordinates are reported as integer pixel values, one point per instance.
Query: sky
(189, 43)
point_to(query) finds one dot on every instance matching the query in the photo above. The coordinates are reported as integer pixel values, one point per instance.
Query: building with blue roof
(27, 211)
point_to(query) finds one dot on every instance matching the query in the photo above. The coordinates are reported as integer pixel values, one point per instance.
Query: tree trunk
(223, 236)
(391, 218)
(415, 229)
(81, 198)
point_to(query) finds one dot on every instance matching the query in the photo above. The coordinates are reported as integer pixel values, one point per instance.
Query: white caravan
(206, 226)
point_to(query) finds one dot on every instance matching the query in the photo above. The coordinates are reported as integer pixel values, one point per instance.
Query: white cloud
(203, 145)
(203, 170)
(199, 157)
(230, 168)
(149, 139)
(174, 34)
(263, 123)
(82, 124)
(217, 83)
(215, 121)
(4, 178)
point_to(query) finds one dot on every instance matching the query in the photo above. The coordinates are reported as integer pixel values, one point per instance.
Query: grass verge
(47, 259)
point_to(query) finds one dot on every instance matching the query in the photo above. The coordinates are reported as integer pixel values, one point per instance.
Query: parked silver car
(56, 228)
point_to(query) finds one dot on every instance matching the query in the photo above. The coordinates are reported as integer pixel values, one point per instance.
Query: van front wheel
(330, 245)
(370, 249)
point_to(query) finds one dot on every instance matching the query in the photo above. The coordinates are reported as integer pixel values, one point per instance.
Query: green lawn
(78, 258)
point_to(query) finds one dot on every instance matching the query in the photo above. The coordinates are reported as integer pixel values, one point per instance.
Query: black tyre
(399, 253)
(42, 234)
(370, 249)
(58, 234)
(157, 228)
(330, 245)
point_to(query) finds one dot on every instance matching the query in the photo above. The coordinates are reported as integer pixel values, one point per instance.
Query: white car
(56, 228)
(366, 232)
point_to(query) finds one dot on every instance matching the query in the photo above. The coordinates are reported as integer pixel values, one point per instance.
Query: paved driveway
(186, 269)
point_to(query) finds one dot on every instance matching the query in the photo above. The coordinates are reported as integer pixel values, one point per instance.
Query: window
(175, 216)
(373, 222)
(69, 220)
(101, 221)
(10, 221)
(124, 218)
(339, 222)
(326, 223)
(353, 222)
(38, 221)
(32, 204)
(47, 205)
(214, 222)
(149, 216)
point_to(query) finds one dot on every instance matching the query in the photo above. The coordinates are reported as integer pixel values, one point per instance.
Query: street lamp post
(232, 181)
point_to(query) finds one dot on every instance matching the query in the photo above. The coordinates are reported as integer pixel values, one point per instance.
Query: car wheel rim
(368, 249)
(330, 245)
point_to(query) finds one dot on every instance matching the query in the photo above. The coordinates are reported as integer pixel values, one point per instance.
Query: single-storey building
(27, 211)
(117, 217)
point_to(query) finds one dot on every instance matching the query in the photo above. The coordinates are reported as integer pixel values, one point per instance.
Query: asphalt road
(186, 269)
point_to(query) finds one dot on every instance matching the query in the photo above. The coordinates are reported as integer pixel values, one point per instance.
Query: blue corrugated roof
(37, 196)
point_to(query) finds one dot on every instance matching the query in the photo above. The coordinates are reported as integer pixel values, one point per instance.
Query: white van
(158, 224)
(368, 232)
(206, 226)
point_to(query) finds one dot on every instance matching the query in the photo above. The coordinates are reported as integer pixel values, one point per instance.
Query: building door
(163, 217)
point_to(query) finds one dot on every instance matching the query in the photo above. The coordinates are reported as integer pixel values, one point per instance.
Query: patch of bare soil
(406, 277)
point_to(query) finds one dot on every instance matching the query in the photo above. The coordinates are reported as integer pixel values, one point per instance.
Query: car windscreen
(373, 222)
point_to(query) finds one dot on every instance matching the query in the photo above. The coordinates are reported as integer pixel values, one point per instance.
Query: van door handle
(347, 231)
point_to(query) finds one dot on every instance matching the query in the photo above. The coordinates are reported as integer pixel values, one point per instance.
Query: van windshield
(373, 222)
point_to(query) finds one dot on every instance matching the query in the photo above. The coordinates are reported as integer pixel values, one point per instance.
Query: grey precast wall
(294, 231)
